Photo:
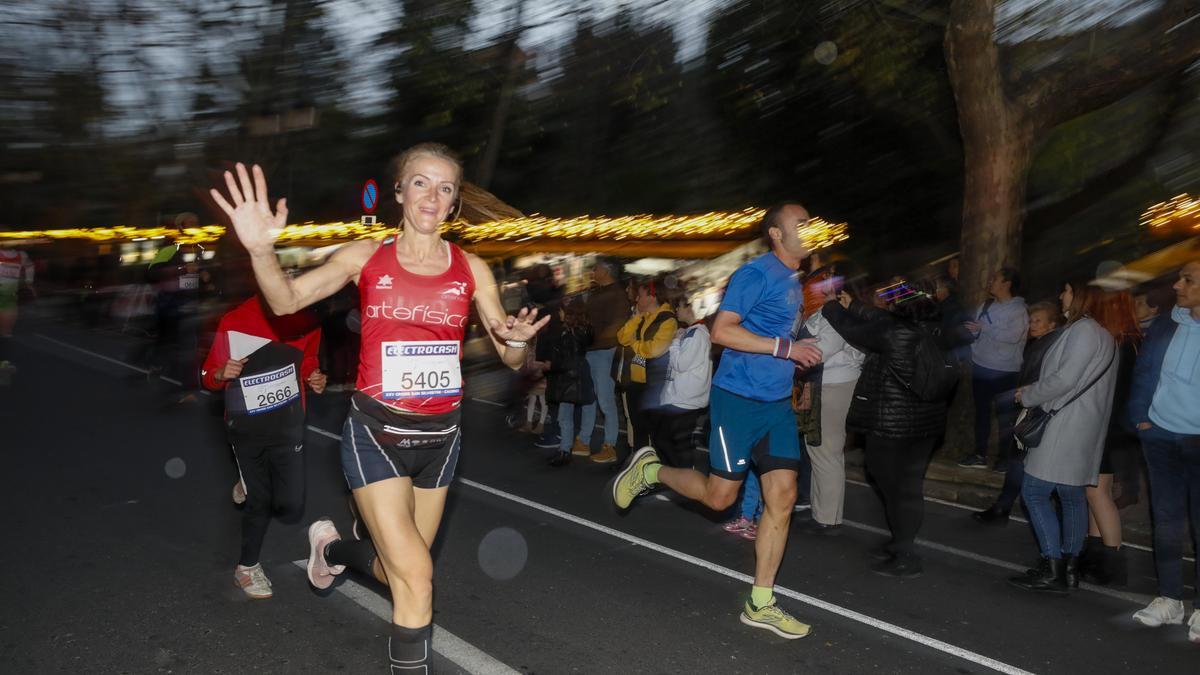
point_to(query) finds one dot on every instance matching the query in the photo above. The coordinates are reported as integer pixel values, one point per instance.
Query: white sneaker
(1162, 611)
(1194, 627)
(253, 581)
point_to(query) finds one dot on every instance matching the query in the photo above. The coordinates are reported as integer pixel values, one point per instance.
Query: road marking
(1019, 519)
(898, 631)
(1136, 598)
(109, 359)
(487, 402)
(464, 654)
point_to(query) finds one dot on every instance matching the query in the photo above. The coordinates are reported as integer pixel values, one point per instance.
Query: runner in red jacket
(260, 360)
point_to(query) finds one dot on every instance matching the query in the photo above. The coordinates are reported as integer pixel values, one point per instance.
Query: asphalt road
(121, 541)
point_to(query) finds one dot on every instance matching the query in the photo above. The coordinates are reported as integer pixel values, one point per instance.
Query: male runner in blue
(751, 410)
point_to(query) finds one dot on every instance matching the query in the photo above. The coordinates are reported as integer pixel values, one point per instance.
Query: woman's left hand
(521, 328)
(1017, 396)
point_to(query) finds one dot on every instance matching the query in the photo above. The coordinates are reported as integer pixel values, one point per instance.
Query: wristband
(516, 344)
(783, 347)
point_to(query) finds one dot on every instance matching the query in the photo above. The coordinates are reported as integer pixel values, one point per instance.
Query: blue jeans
(600, 364)
(1173, 462)
(1053, 541)
(752, 501)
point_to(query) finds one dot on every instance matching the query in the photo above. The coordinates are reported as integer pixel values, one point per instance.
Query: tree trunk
(998, 141)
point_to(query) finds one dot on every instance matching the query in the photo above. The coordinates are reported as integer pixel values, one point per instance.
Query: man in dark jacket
(607, 311)
(1163, 405)
(901, 428)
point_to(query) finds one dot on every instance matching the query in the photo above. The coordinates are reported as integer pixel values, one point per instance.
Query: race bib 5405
(421, 369)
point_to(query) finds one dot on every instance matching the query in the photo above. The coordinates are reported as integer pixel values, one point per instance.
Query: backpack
(936, 371)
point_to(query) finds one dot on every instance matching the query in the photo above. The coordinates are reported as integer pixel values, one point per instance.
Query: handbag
(1032, 422)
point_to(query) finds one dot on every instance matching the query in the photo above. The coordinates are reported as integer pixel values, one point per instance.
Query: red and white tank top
(412, 331)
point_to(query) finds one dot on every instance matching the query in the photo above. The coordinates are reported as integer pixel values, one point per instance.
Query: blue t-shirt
(768, 296)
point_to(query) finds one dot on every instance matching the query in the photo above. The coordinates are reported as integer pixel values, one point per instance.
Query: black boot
(1049, 577)
(1071, 571)
(1108, 568)
(992, 515)
(1089, 557)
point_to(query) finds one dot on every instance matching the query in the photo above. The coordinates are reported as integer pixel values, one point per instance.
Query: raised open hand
(520, 328)
(256, 226)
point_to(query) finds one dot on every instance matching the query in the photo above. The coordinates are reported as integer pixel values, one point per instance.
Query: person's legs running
(779, 495)
(253, 466)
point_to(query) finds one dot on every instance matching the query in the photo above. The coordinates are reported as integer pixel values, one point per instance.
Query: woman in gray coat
(1067, 459)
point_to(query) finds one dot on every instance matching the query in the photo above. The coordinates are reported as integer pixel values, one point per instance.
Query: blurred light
(817, 233)
(1182, 211)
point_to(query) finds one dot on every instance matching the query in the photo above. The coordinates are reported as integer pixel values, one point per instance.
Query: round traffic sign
(370, 196)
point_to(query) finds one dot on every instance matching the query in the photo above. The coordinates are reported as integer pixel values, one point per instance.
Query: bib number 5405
(430, 379)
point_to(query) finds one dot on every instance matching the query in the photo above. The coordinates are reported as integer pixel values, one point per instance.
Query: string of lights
(817, 233)
(1180, 211)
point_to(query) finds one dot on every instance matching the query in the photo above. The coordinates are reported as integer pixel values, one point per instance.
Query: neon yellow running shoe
(775, 620)
(631, 482)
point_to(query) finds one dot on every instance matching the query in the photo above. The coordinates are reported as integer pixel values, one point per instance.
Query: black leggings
(897, 465)
(273, 475)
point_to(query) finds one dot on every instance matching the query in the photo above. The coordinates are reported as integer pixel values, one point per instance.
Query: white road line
(487, 402)
(1136, 598)
(1019, 519)
(465, 655)
(898, 631)
(115, 361)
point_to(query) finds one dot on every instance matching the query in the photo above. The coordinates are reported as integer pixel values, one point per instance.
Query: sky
(149, 84)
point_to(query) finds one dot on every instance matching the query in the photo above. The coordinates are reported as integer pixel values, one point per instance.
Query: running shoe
(239, 493)
(750, 533)
(737, 524)
(774, 619)
(253, 581)
(320, 573)
(631, 482)
(1162, 611)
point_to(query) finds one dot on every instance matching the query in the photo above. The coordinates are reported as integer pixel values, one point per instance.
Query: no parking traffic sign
(370, 196)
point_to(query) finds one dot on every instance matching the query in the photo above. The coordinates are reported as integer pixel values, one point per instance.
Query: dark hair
(575, 312)
(1158, 295)
(1013, 277)
(916, 302)
(770, 220)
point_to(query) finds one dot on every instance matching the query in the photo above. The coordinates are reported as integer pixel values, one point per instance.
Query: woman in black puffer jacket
(569, 382)
(901, 429)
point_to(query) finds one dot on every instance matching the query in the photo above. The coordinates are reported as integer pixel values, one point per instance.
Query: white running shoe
(321, 573)
(1162, 611)
(253, 581)
(239, 493)
(1194, 627)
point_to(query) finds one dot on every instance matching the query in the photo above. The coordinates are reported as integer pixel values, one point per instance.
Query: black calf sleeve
(409, 650)
(357, 555)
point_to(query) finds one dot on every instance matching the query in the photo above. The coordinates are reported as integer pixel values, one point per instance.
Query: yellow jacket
(649, 346)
